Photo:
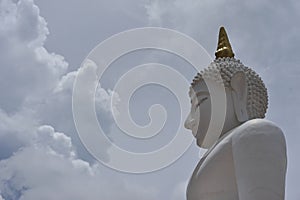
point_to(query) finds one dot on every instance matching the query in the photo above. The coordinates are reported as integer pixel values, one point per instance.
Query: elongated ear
(239, 95)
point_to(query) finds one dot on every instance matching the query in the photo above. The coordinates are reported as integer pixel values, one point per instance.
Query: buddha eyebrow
(201, 93)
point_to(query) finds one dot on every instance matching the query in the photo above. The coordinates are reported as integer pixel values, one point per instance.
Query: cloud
(56, 108)
(36, 161)
(22, 21)
(49, 169)
(58, 142)
(28, 70)
(34, 81)
(15, 131)
(28, 74)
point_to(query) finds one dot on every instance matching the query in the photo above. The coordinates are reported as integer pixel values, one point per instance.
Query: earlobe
(239, 95)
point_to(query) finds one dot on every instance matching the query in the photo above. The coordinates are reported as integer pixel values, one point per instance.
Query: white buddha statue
(248, 161)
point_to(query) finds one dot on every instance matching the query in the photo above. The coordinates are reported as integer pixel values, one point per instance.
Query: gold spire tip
(224, 48)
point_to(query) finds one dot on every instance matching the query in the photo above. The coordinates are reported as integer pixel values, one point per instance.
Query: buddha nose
(188, 122)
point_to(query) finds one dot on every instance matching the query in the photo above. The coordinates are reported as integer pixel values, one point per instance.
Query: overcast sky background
(43, 43)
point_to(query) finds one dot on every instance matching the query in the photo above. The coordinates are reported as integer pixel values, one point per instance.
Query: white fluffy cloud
(28, 70)
(36, 161)
(48, 169)
(28, 74)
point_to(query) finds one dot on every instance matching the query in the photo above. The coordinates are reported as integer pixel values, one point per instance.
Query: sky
(43, 44)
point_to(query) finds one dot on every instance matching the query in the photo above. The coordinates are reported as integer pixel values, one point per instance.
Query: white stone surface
(247, 160)
(247, 163)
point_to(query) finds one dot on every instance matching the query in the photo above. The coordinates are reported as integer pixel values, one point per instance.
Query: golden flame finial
(224, 48)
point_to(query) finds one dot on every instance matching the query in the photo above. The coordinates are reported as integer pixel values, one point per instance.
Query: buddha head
(246, 95)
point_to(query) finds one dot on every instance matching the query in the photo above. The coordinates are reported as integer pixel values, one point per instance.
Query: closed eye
(201, 101)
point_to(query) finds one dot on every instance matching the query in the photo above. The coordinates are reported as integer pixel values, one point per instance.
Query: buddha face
(199, 117)
(200, 113)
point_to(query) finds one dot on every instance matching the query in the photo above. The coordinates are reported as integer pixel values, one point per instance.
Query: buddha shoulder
(260, 130)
